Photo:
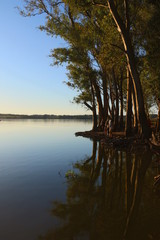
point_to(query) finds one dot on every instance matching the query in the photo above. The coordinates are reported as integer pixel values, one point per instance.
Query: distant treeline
(45, 116)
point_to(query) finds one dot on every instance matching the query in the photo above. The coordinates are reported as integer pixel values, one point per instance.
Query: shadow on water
(109, 196)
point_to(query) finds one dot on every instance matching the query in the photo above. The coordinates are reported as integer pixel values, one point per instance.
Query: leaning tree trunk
(105, 96)
(116, 117)
(128, 123)
(158, 117)
(94, 109)
(135, 121)
(121, 102)
(158, 122)
(112, 103)
(99, 103)
(143, 126)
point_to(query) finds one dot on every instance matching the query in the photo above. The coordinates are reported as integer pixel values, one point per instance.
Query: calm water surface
(34, 157)
(56, 186)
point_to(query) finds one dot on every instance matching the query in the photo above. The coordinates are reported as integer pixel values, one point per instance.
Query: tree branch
(71, 17)
(118, 47)
(99, 4)
(118, 20)
(87, 105)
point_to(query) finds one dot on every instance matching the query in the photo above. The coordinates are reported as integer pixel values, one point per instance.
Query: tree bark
(116, 117)
(99, 103)
(135, 121)
(158, 117)
(112, 108)
(105, 95)
(88, 106)
(128, 123)
(121, 102)
(94, 109)
(158, 122)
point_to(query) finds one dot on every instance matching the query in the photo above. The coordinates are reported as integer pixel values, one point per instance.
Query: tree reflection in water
(105, 198)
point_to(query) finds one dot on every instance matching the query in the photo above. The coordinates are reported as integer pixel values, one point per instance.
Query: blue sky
(28, 84)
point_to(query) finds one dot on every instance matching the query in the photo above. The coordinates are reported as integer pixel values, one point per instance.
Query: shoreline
(44, 116)
(120, 141)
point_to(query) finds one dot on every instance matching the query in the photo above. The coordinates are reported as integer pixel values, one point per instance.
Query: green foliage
(94, 46)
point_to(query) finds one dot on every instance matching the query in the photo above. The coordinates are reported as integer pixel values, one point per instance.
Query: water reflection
(109, 196)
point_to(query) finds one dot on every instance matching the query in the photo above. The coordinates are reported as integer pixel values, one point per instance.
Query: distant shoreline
(45, 116)
(52, 116)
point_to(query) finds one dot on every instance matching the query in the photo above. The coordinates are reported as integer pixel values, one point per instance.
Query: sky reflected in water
(54, 185)
(34, 156)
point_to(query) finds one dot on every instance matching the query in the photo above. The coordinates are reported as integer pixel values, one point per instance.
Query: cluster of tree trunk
(136, 119)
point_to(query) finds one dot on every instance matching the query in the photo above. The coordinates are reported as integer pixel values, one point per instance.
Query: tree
(124, 29)
(91, 27)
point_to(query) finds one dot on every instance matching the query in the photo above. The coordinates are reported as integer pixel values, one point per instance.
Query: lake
(54, 185)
